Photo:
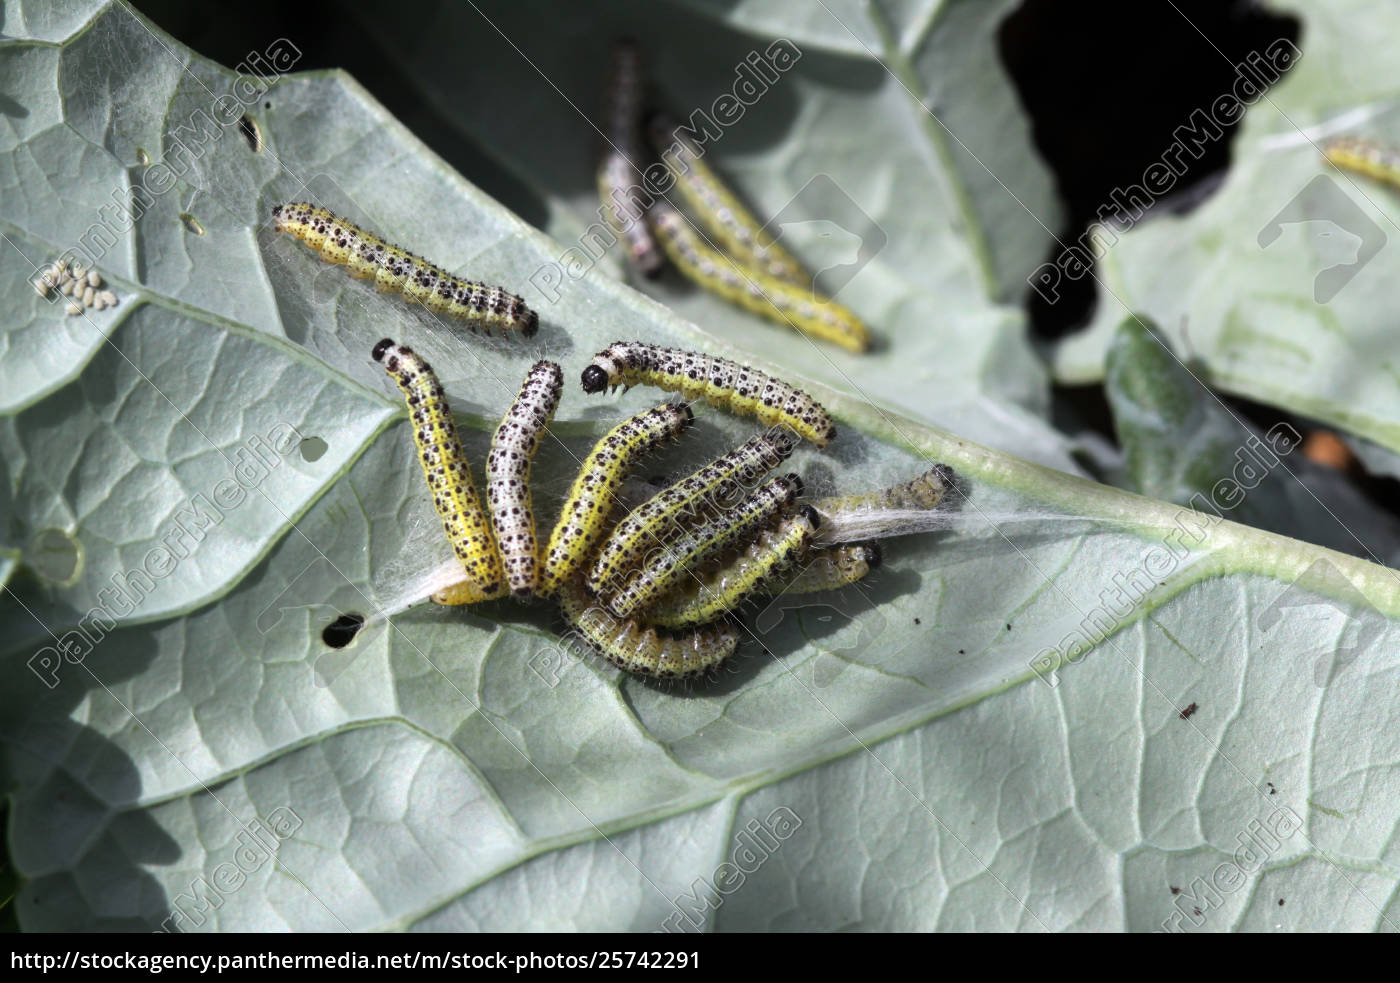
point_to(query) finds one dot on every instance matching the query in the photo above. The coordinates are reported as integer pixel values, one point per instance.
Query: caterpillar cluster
(736, 258)
(655, 591)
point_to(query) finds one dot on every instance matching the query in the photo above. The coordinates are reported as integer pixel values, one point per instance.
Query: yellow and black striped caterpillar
(752, 289)
(758, 566)
(780, 561)
(700, 497)
(680, 558)
(508, 474)
(619, 181)
(1365, 157)
(447, 472)
(640, 649)
(719, 381)
(584, 516)
(396, 270)
(738, 259)
(732, 226)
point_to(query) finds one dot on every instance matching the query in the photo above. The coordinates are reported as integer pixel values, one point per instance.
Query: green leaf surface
(458, 770)
(1270, 286)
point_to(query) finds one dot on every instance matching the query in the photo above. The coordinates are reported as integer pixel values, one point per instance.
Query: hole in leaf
(55, 556)
(342, 631)
(143, 158)
(192, 223)
(312, 449)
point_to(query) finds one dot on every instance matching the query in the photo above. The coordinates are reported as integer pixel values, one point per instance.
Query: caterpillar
(923, 493)
(618, 178)
(686, 556)
(590, 500)
(448, 474)
(732, 226)
(754, 290)
(396, 270)
(1364, 157)
(466, 592)
(725, 384)
(658, 520)
(831, 567)
(756, 569)
(508, 474)
(641, 650)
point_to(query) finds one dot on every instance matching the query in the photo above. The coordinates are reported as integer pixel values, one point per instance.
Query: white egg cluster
(81, 285)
